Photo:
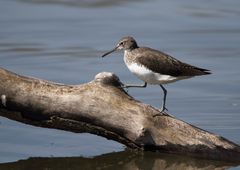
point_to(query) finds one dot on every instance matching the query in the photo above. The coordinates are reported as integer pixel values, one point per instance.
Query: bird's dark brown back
(162, 63)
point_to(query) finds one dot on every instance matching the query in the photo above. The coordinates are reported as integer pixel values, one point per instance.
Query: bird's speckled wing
(162, 63)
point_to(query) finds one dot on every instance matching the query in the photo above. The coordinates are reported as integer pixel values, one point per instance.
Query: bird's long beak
(109, 52)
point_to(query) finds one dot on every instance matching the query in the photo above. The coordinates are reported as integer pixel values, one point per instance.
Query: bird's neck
(128, 57)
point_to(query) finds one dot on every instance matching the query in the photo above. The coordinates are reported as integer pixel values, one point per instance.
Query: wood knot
(108, 79)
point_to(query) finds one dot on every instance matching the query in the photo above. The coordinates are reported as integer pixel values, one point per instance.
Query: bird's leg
(163, 108)
(135, 85)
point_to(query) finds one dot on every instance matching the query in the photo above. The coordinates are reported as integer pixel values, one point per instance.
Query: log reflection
(126, 160)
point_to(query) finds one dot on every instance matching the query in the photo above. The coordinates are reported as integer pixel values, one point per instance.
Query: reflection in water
(83, 3)
(121, 160)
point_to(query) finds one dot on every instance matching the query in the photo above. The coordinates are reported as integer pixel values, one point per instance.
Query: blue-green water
(62, 41)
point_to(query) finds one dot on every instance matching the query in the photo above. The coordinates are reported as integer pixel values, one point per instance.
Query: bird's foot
(163, 109)
(125, 86)
(163, 112)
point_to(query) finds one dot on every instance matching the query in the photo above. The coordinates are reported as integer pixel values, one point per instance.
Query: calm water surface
(62, 41)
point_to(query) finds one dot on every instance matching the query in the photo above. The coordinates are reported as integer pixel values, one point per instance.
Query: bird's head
(125, 43)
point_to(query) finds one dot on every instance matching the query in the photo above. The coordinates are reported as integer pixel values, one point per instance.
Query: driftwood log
(103, 108)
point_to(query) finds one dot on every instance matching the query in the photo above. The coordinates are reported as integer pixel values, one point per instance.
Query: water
(62, 41)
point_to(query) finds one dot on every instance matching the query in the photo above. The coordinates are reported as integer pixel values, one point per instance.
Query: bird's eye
(121, 43)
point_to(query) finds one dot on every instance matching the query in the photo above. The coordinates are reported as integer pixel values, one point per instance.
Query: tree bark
(103, 108)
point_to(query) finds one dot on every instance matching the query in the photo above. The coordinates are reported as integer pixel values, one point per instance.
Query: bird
(154, 67)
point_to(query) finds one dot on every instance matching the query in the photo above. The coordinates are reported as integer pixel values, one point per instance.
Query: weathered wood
(103, 108)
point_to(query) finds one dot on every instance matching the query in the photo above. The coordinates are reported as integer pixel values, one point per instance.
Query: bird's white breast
(149, 76)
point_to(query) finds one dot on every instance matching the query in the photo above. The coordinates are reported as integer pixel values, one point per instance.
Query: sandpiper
(154, 67)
